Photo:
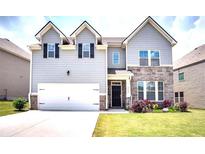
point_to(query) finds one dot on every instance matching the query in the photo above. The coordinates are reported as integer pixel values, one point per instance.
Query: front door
(116, 96)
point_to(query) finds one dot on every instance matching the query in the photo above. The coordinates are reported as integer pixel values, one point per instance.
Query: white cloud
(187, 40)
(116, 26)
(24, 35)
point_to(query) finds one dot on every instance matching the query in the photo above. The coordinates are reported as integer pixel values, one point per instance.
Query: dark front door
(116, 96)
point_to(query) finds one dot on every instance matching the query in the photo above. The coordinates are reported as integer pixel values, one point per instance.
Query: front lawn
(6, 108)
(151, 124)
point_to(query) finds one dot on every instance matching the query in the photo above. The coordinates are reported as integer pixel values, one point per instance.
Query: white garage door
(59, 96)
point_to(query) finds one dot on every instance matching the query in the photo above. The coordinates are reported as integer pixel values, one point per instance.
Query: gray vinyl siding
(122, 58)
(51, 37)
(85, 70)
(148, 38)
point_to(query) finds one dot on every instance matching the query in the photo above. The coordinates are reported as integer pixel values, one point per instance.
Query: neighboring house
(86, 71)
(189, 78)
(14, 71)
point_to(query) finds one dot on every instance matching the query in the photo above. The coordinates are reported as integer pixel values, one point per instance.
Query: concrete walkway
(49, 124)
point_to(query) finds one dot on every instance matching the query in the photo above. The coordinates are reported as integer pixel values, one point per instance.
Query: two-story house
(87, 71)
(189, 78)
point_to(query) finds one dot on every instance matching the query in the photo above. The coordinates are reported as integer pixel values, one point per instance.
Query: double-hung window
(51, 50)
(176, 95)
(116, 57)
(181, 76)
(149, 58)
(160, 91)
(86, 50)
(179, 96)
(143, 58)
(154, 58)
(151, 90)
(140, 88)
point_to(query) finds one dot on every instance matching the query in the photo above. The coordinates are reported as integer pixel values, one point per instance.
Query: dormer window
(51, 50)
(86, 50)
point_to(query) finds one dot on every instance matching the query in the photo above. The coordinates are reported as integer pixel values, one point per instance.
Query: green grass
(151, 124)
(6, 108)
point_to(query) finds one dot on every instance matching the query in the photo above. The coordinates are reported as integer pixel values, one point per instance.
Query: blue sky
(189, 31)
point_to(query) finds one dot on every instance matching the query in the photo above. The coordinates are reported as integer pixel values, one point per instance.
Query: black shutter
(56, 50)
(91, 50)
(45, 50)
(80, 50)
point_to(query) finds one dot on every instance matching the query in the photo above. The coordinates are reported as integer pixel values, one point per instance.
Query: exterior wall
(123, 92)
(54, 70)
(122, 58)
(14, 76)
(193, 85)
(164, 74)
(148, 38)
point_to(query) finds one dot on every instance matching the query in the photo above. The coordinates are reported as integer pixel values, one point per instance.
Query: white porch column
(128, 90)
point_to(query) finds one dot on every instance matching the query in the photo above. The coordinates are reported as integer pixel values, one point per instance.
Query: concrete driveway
(49, 124)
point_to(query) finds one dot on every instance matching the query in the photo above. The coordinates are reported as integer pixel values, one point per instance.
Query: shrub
(183, 106)
(139, 107)
(19, 103)
(176, 106)
(155, 106)
(149, 105)
(167, 103)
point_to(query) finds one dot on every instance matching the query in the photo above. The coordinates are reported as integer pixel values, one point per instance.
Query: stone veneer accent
(123, 92)
(162, 73)
(102, 102)
(34, 102)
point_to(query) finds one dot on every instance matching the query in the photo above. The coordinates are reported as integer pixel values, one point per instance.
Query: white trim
(46, 29)
(101, 47)
(120, 93)
(30, 80)
(82, 27)
(159, 29)
(156, 91)
(145, 90)
(49, 51)
(135, 65)
(34, 47)
(114, 52)
(67, 47)
(106, 79)
(149, 57)
(126, 57)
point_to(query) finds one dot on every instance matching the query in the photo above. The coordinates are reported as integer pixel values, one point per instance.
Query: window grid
(181, 76)
(149, 58)
(156, 89)
(51, 50)
(116, 57)
(86, 50)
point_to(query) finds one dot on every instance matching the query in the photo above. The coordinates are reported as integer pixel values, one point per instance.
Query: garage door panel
(68, 96)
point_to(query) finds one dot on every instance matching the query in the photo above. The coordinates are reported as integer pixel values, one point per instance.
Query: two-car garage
(68, 96)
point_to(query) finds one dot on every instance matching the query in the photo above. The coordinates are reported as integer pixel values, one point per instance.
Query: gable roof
(194, 57)
(85, 24)
(47, 27)
(12, 48)
(156, 26)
